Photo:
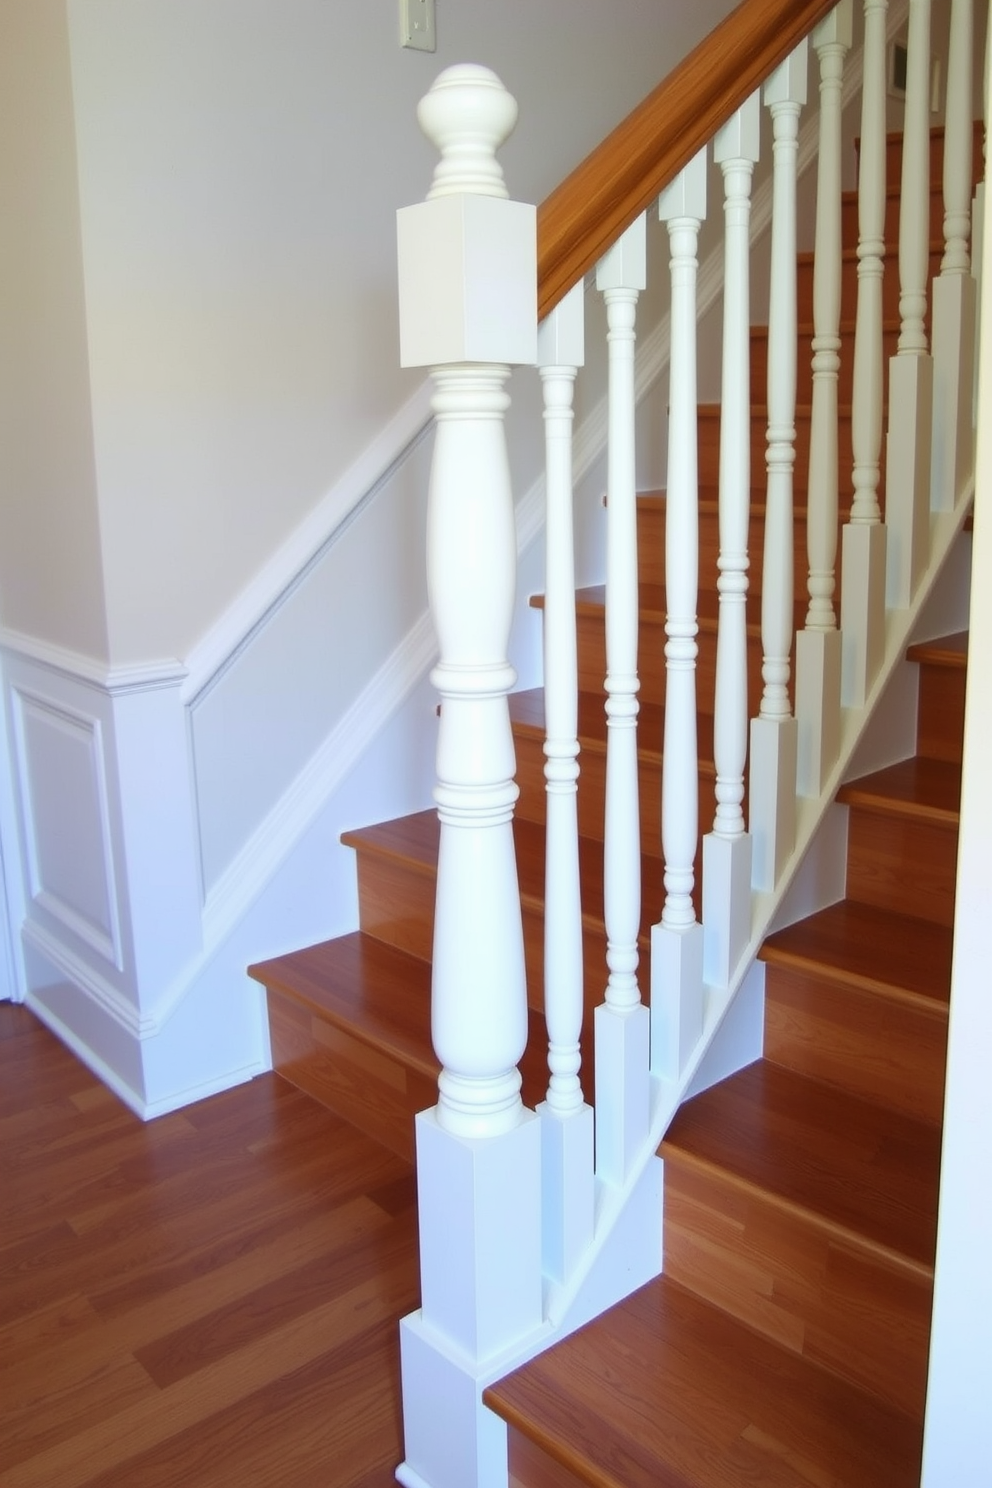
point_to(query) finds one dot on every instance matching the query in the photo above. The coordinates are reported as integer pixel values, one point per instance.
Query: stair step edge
(895, 1260)
(933, 1006)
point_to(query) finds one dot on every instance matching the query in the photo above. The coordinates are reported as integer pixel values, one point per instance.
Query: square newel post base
(623, 1087)
(450, 1439)
(569, 1188)
(862, 610)
(818, 660)
(726, 905)
(480, 1234)
(676, 997)
(772, 797)
(954, 324)
(907, 478)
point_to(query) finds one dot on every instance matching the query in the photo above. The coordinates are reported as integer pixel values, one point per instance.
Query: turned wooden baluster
(727, 848)
(567, 1126)
(478, 1151)
(818, 645)
(954, 291)
(622, 1039)
(863, 576)
(907, 481)
(677, 942)
(773, 732)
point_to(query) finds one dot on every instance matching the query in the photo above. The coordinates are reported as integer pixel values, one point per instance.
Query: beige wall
(51, 582)
(239, 167)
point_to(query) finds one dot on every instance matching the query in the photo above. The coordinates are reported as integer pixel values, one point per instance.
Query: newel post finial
(467, 114)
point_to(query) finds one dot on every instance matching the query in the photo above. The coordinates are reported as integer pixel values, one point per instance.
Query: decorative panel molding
(61, 773)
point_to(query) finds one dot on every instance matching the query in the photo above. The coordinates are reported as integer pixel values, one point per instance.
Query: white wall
(51, 582)
(958, 1440)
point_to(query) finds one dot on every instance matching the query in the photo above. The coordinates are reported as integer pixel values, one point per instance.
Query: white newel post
(566, 1120)
(464, 251)
(774, 732)
(862, 606)
(954, 290)
(727, 848)
(818, 643)
(677, 942)
(622, 1021)
(911, 371)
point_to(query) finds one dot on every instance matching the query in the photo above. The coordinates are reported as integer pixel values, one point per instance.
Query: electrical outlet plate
(417, 25)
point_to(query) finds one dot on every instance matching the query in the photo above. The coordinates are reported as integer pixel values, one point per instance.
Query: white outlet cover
(417, 25)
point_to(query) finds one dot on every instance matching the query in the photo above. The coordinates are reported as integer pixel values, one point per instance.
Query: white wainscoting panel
(61, 773)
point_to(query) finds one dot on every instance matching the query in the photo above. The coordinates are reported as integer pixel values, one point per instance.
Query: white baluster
(863, 577)
(567, 1122)
(478, 1152)
(774, 731)
(677, 942)
(954, 294)
(727, 849)
(622, 1031)
(907, 480)
(818, 645)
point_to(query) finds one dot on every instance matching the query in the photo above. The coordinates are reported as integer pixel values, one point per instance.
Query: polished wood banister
(591, 208)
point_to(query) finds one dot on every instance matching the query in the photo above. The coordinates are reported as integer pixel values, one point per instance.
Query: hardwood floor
(207, 1299)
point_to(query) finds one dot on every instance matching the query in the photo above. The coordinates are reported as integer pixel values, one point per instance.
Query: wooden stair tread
(527, 716)
(898, 956)
(382, 996)
(414, 840)
(866, 1173)
(591, 600)
(709, 502)
(949, 651)
(379, 993)
(665, 1391)
(919, 788)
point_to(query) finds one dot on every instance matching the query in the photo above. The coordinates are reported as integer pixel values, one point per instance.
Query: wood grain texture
(708, 1401)
(940, 715)
(214, 1299)
(807, 1287)
(603, 195)
(859, 1170)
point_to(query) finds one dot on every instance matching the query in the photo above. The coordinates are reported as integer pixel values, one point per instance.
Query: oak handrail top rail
(586, 214)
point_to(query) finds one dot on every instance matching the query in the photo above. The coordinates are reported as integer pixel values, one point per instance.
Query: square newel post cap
(467, 255)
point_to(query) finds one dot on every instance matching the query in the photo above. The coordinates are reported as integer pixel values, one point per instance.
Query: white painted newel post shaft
(622, 1039)
(774, 732)
(464, 252)
(567, 1122)
(727, 848)
(818, 644)
(863, 576)
(907, 480)
(677, 942)
(954, 291)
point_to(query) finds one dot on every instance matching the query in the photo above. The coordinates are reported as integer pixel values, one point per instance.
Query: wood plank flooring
(210, 1298)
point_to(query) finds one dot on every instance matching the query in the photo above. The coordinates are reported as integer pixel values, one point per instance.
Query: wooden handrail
(591, 208)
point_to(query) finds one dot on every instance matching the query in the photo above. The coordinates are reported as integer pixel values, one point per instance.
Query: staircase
(786, 1342)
